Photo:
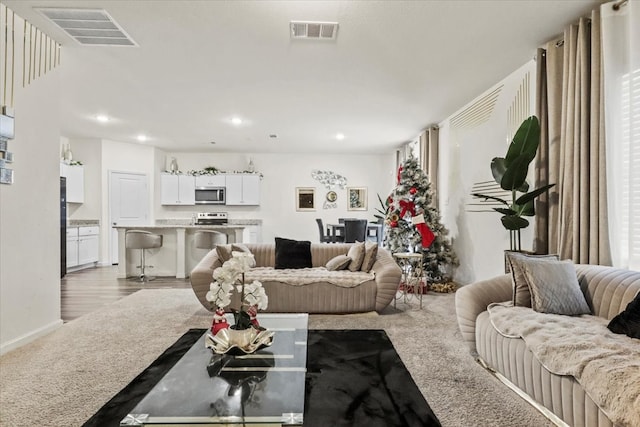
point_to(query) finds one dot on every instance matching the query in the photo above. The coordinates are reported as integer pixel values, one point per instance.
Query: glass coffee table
(266, 387)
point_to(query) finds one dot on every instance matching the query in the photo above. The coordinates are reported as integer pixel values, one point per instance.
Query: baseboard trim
(543, 410)
(31, 336)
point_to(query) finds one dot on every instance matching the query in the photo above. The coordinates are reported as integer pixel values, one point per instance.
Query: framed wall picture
(305, 199)
(357, 198)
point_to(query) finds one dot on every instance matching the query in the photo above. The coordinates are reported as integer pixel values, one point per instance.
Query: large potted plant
(510, 172)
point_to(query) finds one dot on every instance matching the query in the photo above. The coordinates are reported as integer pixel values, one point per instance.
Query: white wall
(282, 174)
(478, 237)
(123, 157)
(30, 214)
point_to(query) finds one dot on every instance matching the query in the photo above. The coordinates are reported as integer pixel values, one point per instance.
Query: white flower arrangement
(230, 276)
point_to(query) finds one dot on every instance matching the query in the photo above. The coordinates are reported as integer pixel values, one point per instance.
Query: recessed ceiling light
(339, 136)
(236, 121)
(141, 138)
(102, 118)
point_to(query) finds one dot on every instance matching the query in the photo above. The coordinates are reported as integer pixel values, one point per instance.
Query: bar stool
(140, 239)
(209, 239)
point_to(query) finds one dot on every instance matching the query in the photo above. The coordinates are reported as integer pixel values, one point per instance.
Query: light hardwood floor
(87, 290)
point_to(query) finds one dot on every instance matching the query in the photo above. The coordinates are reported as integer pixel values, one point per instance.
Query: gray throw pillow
(356, 253)
(554, 287)
(224, 252)
(370, 254)
(339, 262)
(516, 261)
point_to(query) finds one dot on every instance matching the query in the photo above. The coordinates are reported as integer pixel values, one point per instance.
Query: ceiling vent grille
(89, 26)
(313, 30)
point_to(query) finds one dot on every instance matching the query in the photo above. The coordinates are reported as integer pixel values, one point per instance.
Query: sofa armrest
(202, 276)
(388, 276)
(473, 299)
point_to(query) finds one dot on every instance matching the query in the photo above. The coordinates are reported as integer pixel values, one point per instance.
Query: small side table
(412, 273)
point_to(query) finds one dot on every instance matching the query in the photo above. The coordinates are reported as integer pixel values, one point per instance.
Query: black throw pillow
(292, 253)
(628, 321)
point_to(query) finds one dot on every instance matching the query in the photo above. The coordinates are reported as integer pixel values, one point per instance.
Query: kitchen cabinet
(211, 180)
(83, 246)
(176, 189)
(243, 189)
(75, 182)
(252, 234)
(88, 245)
(72, 247)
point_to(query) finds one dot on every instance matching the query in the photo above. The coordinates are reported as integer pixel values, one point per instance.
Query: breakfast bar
(176, 251)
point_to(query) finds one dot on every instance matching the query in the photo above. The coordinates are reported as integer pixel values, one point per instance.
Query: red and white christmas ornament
(219, 321)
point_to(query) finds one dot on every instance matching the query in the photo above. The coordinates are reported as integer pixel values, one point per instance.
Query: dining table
(337, 230)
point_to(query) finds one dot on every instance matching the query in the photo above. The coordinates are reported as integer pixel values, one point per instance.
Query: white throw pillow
(554, 287)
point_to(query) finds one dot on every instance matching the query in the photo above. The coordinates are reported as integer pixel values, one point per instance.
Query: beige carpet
(63, 378)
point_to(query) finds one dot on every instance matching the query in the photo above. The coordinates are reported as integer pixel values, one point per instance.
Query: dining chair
(341, 220)
(324, 238)
(355, 229)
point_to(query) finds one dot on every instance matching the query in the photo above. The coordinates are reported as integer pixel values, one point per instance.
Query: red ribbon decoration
(399, 172)
(405, 206)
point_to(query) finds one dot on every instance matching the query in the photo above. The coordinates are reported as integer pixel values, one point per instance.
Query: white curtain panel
(621, 61)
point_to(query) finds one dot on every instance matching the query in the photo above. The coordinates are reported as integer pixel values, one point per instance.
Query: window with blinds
(629, 242)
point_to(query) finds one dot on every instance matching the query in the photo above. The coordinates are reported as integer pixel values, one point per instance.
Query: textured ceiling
(395, 68)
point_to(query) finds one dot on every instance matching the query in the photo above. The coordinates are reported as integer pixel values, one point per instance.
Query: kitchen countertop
(82, 222)
(185, 221)
(205, 226)
(177, 232)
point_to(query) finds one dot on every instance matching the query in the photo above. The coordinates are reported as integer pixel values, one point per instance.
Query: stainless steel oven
(210, 195)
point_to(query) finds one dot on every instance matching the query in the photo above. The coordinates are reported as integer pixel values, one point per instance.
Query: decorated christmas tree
(413, 224)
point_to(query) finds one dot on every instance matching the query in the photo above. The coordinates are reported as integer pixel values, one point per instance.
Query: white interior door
(128, 204)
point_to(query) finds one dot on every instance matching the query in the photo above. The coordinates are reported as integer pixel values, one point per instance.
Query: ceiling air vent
(89, 26)
(313, 30)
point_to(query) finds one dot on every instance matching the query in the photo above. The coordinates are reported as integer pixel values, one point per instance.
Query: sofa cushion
(554, 287)
(356, 253)
(292, 253)
(339, 262)
(516, 261)
(225, 252)
(628, 322)
(370, 254)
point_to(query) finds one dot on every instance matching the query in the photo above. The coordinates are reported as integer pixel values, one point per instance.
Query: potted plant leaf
(510, 172)
(382, 211)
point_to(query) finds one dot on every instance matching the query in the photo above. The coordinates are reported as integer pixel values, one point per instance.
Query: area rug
(354, 378)
(62, 379)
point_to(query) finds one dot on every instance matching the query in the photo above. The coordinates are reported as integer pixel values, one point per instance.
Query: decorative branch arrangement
(329, 179)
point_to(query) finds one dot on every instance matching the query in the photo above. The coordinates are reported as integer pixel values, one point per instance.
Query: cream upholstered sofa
(607, 291)
(320, 297)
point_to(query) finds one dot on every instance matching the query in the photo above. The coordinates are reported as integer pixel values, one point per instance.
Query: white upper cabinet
(177, 189)
(211, 181)
(75, 182)
(243, 189)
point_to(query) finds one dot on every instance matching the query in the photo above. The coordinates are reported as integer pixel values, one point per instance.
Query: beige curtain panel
(572, 219)
(429, 159)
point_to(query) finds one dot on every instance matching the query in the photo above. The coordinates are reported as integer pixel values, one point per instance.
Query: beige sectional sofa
(607, 291)
(323, 297)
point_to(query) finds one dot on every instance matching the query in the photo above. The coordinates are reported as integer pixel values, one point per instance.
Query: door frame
(113, 233)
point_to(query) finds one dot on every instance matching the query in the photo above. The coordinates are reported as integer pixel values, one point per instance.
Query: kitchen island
(178, 253)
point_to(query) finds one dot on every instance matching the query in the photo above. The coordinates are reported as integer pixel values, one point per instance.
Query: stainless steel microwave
(210, 195)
